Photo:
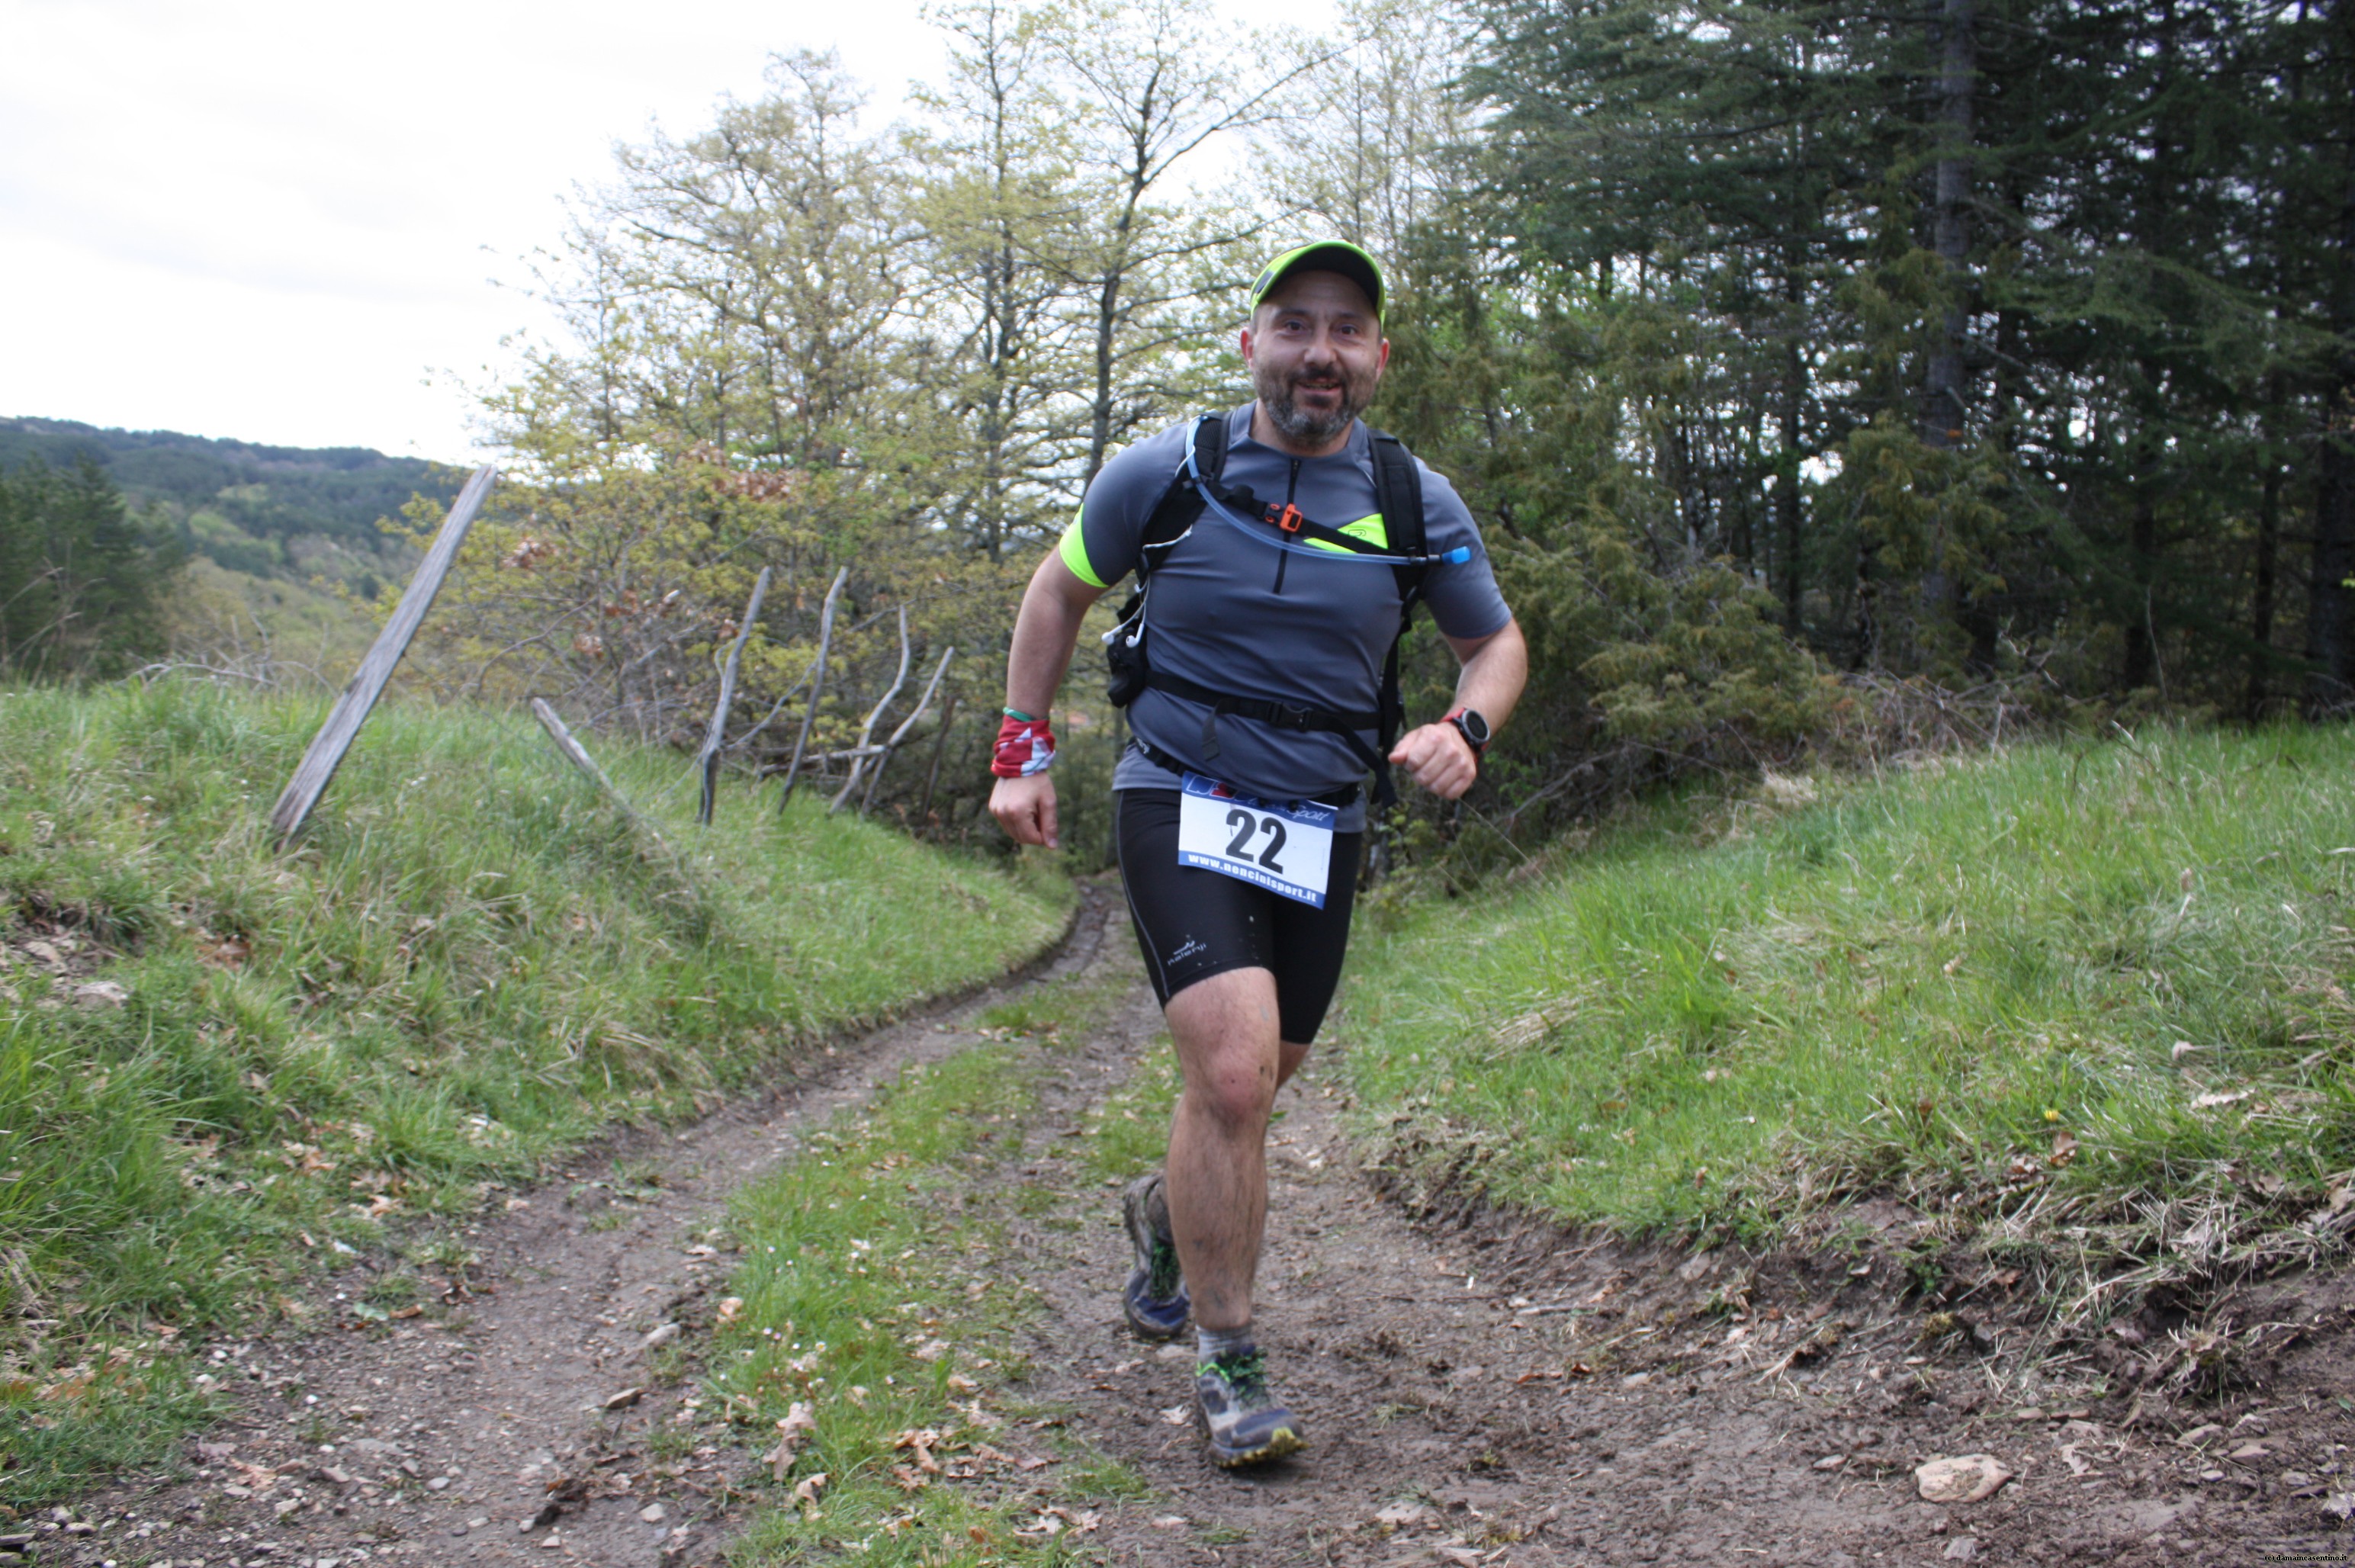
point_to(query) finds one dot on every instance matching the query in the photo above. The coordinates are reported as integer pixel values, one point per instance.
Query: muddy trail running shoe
(1242, 1420)
(1155, 1299)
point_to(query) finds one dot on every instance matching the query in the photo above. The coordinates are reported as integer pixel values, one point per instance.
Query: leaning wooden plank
(875, 778)
(713, 736)
(817, 683)
(578, 755)
(351, 711)
(874, 716)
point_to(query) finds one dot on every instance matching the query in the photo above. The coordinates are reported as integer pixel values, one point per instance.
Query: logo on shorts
(1193, 945)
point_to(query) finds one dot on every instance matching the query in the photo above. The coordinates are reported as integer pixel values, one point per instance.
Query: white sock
(1210, 1344)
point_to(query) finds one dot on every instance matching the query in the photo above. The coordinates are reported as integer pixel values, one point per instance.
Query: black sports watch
(1473, 728)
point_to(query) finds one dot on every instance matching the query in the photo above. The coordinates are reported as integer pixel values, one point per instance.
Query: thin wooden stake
(867, 732)
(580, 758)
(940, 744)
(875, 779)
(712, 737)
(817, 686)
(325, 752)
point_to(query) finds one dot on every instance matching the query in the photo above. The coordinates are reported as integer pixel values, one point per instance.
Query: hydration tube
(1218, 508)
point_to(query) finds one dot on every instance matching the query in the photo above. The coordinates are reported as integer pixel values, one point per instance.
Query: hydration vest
(1198, 486)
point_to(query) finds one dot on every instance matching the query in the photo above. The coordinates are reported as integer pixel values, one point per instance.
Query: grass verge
(2087, 1004)
(876, 1324)
(221, 1067)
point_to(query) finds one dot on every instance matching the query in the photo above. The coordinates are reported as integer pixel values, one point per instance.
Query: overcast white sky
(289, 223)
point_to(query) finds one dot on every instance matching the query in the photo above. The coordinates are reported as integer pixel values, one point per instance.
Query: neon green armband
(1075, 552)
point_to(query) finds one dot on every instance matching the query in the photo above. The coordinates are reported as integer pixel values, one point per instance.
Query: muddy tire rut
(1476, 1392)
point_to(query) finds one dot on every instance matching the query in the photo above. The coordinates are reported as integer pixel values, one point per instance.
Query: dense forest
(1986, 337)
(82, 583)
(1798, 360)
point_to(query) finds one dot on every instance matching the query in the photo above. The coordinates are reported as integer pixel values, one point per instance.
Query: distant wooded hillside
(266, 510)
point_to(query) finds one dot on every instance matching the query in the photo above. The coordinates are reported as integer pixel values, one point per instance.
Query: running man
(1278, 548)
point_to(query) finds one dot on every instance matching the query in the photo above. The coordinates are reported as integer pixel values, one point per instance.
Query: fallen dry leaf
(790, 1427)
(920, 1442)
(260, 1477)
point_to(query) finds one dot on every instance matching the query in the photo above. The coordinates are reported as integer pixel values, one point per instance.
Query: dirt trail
(1489, 1394)
(1474, 1394)
(437, 1442)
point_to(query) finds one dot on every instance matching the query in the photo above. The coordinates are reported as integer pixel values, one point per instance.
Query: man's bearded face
(1316, 355)
(1313, 400)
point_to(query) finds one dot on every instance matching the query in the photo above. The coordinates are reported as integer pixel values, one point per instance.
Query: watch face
(1476, 728)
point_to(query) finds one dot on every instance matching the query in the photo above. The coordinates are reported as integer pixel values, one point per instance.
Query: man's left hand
(1438, 758)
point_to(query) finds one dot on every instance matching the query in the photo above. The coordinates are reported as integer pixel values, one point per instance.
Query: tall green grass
(468, 963)
(2074, 985)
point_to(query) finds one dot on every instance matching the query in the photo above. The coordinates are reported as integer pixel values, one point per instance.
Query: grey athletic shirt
(1238, 610)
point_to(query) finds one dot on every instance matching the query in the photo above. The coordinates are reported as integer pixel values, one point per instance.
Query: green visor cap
(1324, 256)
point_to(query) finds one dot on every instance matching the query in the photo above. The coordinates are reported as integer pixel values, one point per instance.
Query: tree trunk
(2261, 596)
(1115, 274)
(1786, 488)
(1946, 392)
(2142, 647)
(2330, 606)
(2330, 649)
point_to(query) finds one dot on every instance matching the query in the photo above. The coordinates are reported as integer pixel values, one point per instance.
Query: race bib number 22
(1285, 848)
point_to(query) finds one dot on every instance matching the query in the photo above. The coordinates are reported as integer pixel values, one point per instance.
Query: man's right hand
(1025, 808)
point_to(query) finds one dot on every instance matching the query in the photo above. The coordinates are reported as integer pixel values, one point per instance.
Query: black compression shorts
(1194, 923)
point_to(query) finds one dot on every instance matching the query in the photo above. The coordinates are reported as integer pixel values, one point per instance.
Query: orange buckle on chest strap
(1289, 519)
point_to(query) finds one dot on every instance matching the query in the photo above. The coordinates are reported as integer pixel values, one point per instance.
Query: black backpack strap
(1398, 491)
(1182, 502)
(1172, 517)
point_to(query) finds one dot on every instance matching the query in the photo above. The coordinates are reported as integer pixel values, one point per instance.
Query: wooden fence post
(817, 685)
(578, 755)
(712, 737)
(874, 716)
(940, 744)
(335, 738)
(875, 779)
